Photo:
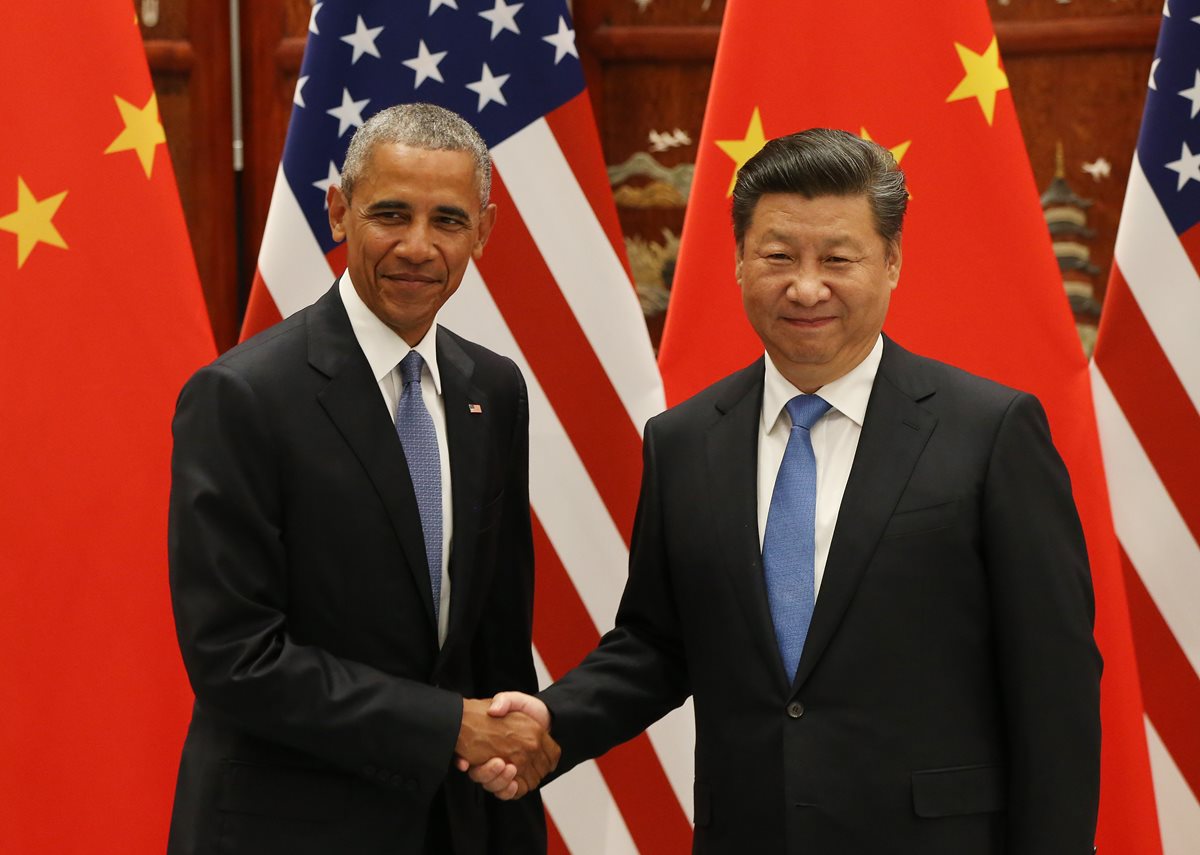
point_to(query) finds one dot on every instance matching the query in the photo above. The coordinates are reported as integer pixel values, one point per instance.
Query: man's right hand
(506, 744)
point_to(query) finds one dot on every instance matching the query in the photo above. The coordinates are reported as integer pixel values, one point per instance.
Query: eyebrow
(454, 211)
(397, 205)
(842, 239)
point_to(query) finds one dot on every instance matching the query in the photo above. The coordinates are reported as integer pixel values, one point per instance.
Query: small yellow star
(984, 77)
(32, 221)
(744, 149)
(898, 151)
(143, 131)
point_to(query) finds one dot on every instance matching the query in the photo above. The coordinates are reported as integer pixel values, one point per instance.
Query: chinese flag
(101, 320)
(980, 287)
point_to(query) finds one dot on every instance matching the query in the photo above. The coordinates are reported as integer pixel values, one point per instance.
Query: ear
(338, 206)
(487, 221)
(737, 265)
(894, 258)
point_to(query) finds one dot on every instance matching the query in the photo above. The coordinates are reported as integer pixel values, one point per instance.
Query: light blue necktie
(419, 440)
(789, 542)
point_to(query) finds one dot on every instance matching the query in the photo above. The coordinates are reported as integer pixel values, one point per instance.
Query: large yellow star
(744, 149)
(984, 77)
(898, 151)
(143, 131)
(32, 222)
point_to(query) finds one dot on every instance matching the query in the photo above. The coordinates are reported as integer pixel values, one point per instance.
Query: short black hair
(823, 162)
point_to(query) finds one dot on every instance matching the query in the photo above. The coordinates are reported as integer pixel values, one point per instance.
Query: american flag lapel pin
(474, 408)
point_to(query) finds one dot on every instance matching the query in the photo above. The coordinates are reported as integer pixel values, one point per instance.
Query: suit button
(795, 709)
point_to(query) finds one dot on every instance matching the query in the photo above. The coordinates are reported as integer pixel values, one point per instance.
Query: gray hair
(424, 126)
(823, 162)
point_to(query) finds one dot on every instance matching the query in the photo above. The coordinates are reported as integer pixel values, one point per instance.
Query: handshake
(504, 744)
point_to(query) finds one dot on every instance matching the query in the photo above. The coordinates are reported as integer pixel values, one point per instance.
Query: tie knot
(805, 410)
(410, 367)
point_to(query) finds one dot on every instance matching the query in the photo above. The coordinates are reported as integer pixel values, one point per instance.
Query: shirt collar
(848, 394)
(380, 344)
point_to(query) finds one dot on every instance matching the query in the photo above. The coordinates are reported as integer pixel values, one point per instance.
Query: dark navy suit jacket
(947, 700)
(326, 715)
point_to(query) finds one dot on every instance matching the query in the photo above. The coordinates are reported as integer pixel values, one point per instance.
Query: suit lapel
(466, 436)
(334, 351)
(894, 434)
(731, 446)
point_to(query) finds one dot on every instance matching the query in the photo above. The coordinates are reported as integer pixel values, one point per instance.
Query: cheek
(766, 290)
(870, 314)
(751, 299)
(759, 306)
(882, 300)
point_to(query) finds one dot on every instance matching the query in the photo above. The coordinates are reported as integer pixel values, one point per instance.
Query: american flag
(1146, 381)
(552, 291)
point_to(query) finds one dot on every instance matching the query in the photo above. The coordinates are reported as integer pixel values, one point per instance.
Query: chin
(800, 355)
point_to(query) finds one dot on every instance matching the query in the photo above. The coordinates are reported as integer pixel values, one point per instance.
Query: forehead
(398, 168)
(792, 213)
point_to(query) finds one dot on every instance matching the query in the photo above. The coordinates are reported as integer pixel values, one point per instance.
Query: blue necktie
(419, 440)
(789, 542)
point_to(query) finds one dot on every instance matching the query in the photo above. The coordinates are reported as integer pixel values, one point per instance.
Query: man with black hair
(864, 566)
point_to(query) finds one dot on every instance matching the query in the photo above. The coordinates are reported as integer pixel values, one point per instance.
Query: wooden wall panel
(1078, 74)
(273, 33)
(188, 46)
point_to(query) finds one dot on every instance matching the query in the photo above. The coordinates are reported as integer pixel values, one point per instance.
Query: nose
(808, 288)
(416, 246)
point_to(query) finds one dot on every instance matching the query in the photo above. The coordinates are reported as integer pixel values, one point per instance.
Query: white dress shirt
(834, 440)
(384, 351)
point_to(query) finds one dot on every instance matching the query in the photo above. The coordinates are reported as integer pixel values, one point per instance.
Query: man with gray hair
(350, 542)
(865, 566)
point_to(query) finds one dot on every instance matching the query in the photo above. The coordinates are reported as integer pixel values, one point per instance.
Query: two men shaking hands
(865, 566)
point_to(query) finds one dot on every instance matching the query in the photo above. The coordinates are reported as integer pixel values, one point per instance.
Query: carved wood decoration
(1077, 69)
(1078, 73)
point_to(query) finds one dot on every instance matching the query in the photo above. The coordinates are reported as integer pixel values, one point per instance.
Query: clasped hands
(504, 744)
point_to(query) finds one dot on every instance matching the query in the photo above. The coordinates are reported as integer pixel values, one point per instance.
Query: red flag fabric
(979, 287)
(101, 321)
(1146, 381)
(551, 291)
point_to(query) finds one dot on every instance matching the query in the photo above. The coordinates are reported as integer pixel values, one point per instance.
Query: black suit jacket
(947, 700)
(326, 714)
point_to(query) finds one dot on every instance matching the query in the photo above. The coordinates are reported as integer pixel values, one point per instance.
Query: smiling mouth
(411, 278)
(805, 323)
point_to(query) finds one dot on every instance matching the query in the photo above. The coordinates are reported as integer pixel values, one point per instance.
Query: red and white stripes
(1146, 385)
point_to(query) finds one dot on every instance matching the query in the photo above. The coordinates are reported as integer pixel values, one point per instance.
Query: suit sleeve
(229, 588)
(1048, 662)
(639, 672)
(502, 647)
